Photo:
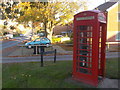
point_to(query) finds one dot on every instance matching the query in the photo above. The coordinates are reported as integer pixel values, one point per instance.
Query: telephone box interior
(89, 47)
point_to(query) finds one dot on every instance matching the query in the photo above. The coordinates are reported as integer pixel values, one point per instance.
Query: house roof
(105, 6)
(58, 29)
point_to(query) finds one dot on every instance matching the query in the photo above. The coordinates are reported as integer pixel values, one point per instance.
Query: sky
(94, 3)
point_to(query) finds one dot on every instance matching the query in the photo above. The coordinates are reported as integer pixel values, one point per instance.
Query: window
(118, 36)
(119, 16)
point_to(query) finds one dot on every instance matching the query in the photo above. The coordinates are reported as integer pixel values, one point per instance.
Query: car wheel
(29, 47)
(47, 45)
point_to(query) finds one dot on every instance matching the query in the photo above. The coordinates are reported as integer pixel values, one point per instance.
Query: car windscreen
(44, 39)
(37, 39)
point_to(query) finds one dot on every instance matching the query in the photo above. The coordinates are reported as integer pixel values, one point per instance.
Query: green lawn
(52, 75)
(112, 68)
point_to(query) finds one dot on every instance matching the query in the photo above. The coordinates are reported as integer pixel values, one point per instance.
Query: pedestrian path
(109, 83)
(112, 54)
(36, 58)
(59, 49)
(47, 58)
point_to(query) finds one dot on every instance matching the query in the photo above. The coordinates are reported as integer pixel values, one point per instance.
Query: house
(63, 30)
(112, 11)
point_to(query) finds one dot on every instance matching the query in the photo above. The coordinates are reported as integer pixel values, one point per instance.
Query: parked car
(38, 41)
(21, 35)
(1, 37)
(58, 36)
(9, 36)
(65, 39)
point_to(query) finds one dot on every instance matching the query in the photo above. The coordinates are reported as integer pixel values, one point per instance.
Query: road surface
(9, 46)
(48, 58)
(11, 43)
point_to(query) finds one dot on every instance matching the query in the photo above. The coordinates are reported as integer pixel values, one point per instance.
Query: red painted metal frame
(92, 79)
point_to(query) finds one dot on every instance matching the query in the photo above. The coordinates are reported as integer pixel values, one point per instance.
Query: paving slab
(109, 83)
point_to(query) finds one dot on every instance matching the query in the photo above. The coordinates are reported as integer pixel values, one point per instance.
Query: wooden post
(36, 49)
(55, 56)
(41, 52)
(22, 50)
(41, 59)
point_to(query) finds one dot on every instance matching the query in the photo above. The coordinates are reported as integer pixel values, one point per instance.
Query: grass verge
(112, 70)
(66, 47)
(52, 75)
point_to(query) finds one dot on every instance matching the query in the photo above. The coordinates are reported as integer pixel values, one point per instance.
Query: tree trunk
(50, 33)
(45, 27)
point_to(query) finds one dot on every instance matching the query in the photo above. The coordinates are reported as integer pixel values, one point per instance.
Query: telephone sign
(85, 18)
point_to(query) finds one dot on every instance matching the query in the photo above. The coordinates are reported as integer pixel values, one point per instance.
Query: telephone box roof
(90, 15)
(94, 11)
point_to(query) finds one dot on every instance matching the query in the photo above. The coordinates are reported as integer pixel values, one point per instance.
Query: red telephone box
(89, 47)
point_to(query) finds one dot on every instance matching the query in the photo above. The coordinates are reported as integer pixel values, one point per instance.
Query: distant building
(112, 11)
(62, 30)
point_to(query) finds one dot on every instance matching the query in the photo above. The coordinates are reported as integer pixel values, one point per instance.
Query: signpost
(42, 51)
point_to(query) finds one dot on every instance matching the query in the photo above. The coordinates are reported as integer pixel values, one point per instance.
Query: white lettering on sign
(85, 18)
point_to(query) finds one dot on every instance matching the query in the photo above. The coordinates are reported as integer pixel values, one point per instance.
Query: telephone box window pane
(83, 40)
(82, 64)
(118, 16)
(83, 70)
(90, 40)
(83, 27)
(83, 52)
(86, 71)
(83, 61)
(85, 34)
(90, 34)
(81, 34)
(82, 46)
(83, 58)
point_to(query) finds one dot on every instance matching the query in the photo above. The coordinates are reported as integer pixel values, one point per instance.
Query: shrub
(68, 42)
(56, 40)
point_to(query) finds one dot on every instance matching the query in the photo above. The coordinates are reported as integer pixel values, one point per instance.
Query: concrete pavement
(48, 58)
(109, 83)
(35, 59)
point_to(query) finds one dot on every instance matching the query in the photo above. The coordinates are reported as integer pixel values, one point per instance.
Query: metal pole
(55, 56)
